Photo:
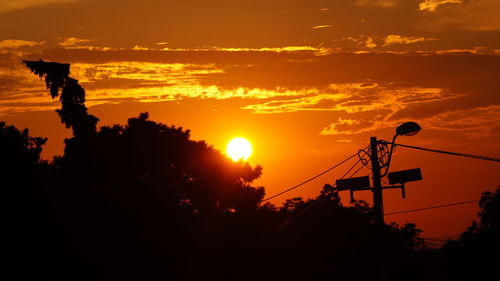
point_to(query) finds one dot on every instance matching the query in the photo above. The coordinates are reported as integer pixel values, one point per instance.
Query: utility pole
(396, 180)
(378, 207)
(378, 204)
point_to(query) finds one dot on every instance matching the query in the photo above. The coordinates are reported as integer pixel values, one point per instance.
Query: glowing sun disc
(239, 148)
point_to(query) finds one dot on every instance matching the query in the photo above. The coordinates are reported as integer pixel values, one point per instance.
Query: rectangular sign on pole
(359, 183)
(405, 176)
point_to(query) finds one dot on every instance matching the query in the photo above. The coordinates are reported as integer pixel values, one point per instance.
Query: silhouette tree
(19, 151)
(143, 196)
(142, 201)
(23, 206)
(321, 239)
(476, 253)
(73, 112)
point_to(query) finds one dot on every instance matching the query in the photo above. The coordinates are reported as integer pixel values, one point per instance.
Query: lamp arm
(390, 156)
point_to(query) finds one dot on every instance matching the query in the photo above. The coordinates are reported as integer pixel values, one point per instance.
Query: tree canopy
(143, 201)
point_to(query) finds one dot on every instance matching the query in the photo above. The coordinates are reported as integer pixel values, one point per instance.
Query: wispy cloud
(348, 127)
(353, 98)
(471, 15)
(367, 92)
(74, 42)
(254, 27)
(377, 3)
(14, 44)
(380, 42)
(398, 39)
(370, 43)
(261, 49)
(321, 26)
(476, 122)
(9, 5)
(432, 5)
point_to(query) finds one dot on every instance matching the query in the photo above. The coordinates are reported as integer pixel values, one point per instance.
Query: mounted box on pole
(405, 176)
(353, 184)
(359, 183)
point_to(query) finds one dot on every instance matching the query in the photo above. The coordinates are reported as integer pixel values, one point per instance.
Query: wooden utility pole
(396, 180)
(378, 204)
(378, 207)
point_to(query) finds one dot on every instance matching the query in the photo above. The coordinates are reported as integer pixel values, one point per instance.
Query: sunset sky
(307, 82)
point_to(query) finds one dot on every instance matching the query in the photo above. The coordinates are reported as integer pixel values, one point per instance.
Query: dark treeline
(143, 201)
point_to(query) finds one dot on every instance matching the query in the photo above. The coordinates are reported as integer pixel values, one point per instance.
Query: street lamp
(405, 129)
(408, 129)
(395, 178)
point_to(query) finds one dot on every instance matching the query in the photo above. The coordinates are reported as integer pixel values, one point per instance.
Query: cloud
(14, 44)
(348, 127)
(116, 82)
(374, 90)
(384, 43)
(474, 16)
(10, 5)
(432, 5)
(230, 53)
(321, 26)
(370, 43)
(308, 100)
(476, 122)
(139, 48)
(377, 3)
(74, 42)
(353, 98)
(398, 39)
(267, 49)
(217, 23)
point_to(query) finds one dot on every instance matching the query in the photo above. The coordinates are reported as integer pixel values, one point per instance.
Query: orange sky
(307, 82)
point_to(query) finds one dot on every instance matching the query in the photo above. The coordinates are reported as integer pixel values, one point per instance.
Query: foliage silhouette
(18, 149)
(327, 239)
(23, 204)
(143, 201)
(73, 112)
(140, 199)
(476, 253)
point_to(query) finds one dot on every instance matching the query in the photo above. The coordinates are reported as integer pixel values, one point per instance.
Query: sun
(239, 148)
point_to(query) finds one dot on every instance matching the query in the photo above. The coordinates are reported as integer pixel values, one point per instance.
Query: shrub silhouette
(476, 253)
(144, 195)
(143, 201)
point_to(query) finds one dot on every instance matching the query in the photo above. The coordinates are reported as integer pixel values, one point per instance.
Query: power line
(311, 205)
(488, 158)
(313, 178)
(433, 207)
(350, 169)
(355, 172)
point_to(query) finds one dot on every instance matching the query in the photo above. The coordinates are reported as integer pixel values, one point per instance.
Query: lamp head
(408, 129)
